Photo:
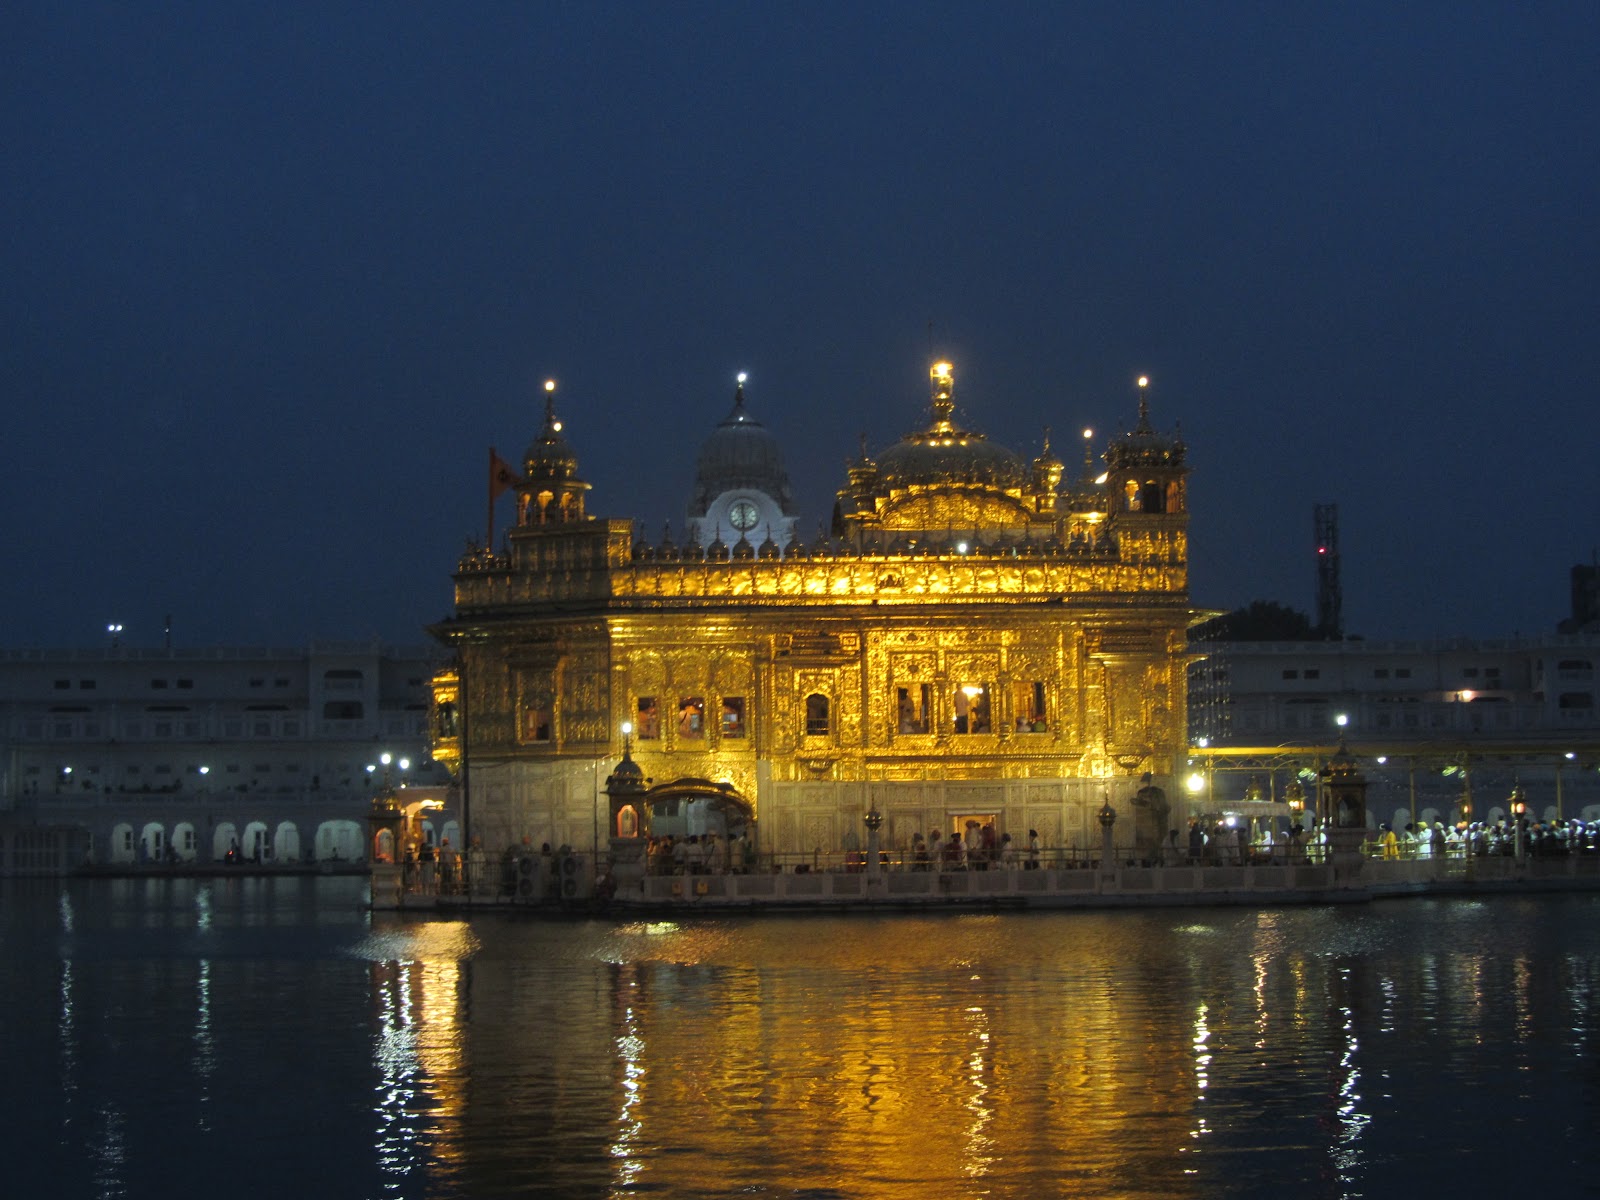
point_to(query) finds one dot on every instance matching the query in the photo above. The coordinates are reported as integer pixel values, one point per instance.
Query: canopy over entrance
(691, 806)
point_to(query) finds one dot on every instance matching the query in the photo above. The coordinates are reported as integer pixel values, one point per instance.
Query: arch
(818, 715)
(695, 806)
(382, 847)
(627, 822)
(184, 842)
(451, 832)
(286, 842)
(224, 837)
(153, 842)
(256, 843)
(122, 844)
(337, 841)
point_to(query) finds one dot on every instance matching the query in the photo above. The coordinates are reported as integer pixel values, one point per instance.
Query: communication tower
(1330, 596)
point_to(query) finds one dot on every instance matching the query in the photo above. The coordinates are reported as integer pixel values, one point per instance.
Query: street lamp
(1519, 806)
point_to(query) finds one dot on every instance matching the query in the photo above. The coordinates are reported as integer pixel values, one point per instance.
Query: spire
(1088, 454)
(941, 377)
(738, 413)
(1144, 405)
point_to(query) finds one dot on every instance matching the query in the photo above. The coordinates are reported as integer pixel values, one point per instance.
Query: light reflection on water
(280, 1038)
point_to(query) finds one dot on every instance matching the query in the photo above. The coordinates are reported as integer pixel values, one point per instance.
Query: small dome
(740, 454)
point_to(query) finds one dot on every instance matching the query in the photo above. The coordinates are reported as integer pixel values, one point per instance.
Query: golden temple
(973, 640)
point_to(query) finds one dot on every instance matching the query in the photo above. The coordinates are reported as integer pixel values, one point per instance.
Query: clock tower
(741, 492)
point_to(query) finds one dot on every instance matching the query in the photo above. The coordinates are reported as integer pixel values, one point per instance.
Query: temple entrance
(695, 808)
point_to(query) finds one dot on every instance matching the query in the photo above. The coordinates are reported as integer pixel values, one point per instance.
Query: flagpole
(489, 544)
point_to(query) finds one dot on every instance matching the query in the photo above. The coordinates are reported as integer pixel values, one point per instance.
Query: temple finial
(1144, 404)
(942, 378)
(552, 425)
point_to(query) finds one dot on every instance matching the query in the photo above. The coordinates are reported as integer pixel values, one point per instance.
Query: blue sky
(278, 275)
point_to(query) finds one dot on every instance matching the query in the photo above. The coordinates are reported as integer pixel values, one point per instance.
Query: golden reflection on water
(898, 1057)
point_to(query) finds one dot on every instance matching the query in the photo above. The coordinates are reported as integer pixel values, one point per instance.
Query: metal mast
(1330, 596)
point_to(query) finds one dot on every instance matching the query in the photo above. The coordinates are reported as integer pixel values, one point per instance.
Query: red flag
(501, 477)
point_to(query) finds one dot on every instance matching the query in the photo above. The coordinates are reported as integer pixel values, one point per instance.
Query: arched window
(816, 715)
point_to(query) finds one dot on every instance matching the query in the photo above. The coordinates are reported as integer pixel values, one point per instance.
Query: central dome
(950, 456)
(944, 454)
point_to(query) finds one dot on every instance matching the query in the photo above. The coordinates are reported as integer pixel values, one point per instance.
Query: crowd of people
(1540, 839)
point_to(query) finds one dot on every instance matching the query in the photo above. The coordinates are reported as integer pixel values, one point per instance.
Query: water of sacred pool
(252, 1037)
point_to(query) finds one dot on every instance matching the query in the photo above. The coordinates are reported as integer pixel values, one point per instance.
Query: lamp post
(874, 822)
(1107, 816)
(1519, 806)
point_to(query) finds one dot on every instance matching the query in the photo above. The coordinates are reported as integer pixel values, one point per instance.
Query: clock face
(743, 515)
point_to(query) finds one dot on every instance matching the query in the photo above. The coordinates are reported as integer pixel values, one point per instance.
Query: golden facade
(975, 639)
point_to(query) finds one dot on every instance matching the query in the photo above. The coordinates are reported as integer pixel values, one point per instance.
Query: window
(63, 683)
(692, 717)
(912, 704)
(971, 708)
(343, 710)
(648, 719)
(186, 683)
(86, 685)
(816, 715)
(1469, 672)
(1381, 673)
(1313, 673)
(258, 683)
(158, 683)
(1291, 674)
(733, 716)
(283, 682)
(1491, 672)
(537, 722)
(1571, 700)
(1028, 704)
(1402, 672)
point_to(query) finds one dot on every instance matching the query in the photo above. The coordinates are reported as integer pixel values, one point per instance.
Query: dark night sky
(277, 276)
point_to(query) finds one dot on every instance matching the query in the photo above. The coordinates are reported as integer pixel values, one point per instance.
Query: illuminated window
(1027, 703)
(912, 704)
(647, 723)
(733, 716)
(537, 722)
(971, 708)
(816, 715)
(692, 717)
